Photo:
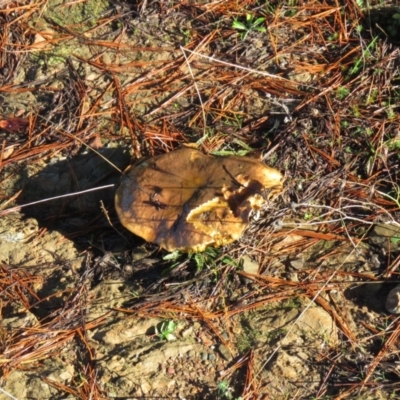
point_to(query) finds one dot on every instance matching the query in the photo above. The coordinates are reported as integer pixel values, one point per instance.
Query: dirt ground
(298, 307)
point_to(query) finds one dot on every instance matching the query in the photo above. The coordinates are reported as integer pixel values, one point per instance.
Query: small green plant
(390, 113)
(344, 124)
(356, 110)
(205, 258)
(277, 334)
(293, 303)
(243, 149)
(228, 260)
(307, 216)
(333, 37)
(269, 8)
(166, 331)
(372, 97)
(247, 339)
(174, 256)
(224, 390)
(186, 34)
(394, 144)
(342, 92)
(366, 54)
(369, 131)
(251, 24)
(395, 240)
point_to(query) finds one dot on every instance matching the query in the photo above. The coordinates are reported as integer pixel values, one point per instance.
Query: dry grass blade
(38, 340)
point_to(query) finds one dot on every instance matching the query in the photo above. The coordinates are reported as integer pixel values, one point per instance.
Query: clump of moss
(80, 15)
(77, 17)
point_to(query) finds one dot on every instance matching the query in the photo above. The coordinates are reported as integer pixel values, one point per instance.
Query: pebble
(211, 357)
(250, 266)
(386, 230)
(225, 352)
(298, 263)
(393, 301)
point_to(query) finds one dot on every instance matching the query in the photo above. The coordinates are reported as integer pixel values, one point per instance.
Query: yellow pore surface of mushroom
(187, 200)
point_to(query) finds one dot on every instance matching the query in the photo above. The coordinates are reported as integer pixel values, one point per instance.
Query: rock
(125, 330)
(393, 301)
(145, 387)
(225, 335)
(16, 385)
(116, 363)
(14, 228)
(297, 263)
(38, 389)
(66, 376)
(21, 244)
(386, 235)
(315, 325)
(289, 240)
(189, 332)
(291, 366)
(250, 266)
(108, 294)
(287, 370)
(225, 352)
(386, 230)
(19, 321)
(318, 323)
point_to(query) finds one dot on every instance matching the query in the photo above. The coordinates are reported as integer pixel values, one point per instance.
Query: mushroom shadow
(76, 214)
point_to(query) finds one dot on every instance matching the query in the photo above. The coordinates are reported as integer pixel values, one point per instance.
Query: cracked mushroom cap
(188, 201)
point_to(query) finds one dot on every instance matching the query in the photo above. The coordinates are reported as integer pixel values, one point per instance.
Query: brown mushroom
(187, 200)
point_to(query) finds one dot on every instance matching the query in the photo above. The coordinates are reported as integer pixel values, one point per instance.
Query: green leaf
(170, 337)
(239, 25)
(199, 258)
(167, 271)
(166, 330)
(228, 260)
(258, 21)
(395, 239)
(242, 144)
(172, 256)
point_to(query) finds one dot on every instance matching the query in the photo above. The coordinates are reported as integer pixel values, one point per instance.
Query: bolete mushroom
(187, 200)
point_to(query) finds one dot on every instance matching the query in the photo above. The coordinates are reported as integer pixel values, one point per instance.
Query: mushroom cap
(187, 200)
